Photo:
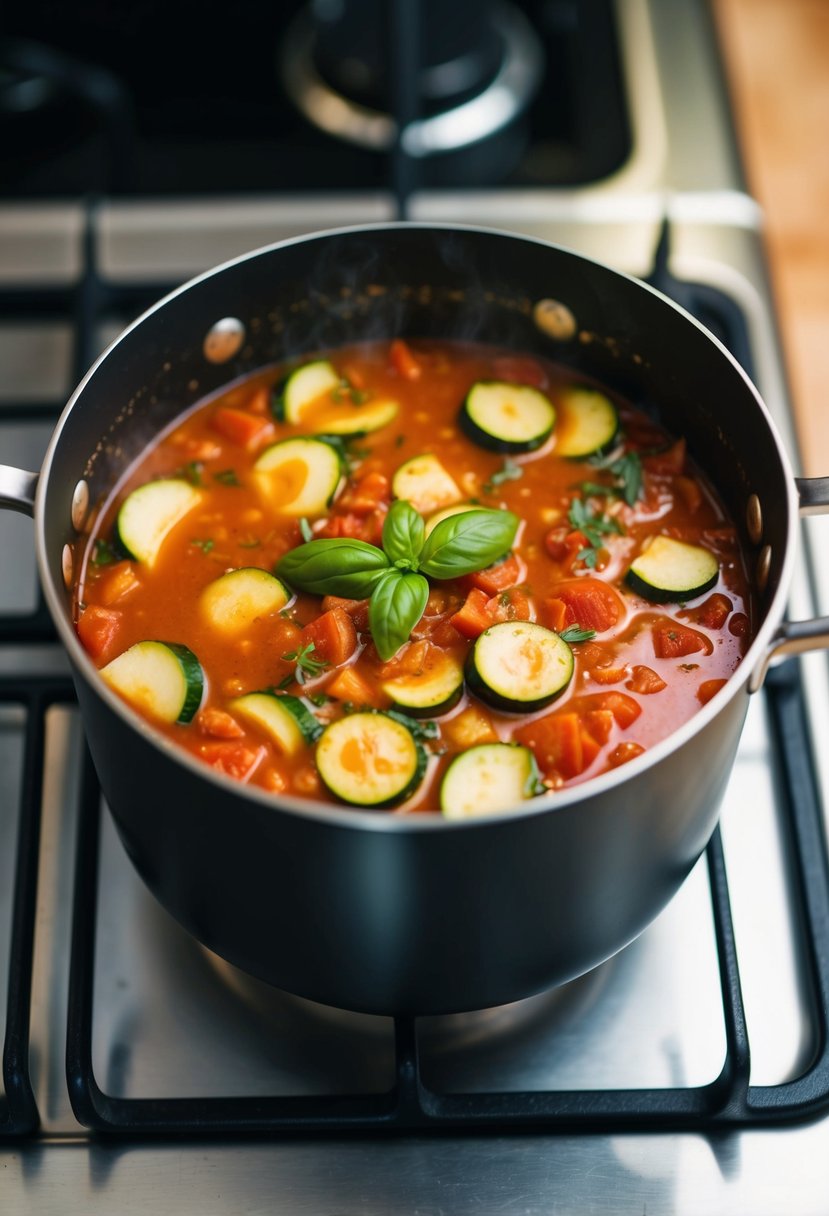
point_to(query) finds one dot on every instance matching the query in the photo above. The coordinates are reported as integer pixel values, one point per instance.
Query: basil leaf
(403, 534)
(396, 606)
(334, 566)
(464, 543)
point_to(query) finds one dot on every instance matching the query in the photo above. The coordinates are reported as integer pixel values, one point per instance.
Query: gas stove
(691, 1072)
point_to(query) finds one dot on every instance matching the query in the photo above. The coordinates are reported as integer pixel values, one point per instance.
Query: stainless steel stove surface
(209, 1091)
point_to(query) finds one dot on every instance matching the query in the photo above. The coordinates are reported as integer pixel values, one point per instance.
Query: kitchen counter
(777, 60)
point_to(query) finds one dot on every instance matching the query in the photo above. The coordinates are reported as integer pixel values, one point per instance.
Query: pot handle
(798, 637)
(17, 489)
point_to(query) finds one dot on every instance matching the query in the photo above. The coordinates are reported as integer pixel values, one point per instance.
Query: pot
(395, 914)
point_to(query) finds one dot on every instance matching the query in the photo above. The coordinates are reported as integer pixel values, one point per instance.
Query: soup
(415, 576)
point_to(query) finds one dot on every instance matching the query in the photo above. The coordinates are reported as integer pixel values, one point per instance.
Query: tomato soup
(415, 576)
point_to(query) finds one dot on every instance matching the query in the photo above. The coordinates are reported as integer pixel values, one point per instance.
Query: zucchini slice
(488, 778)
(519, 666)
(305, 386)
(283, 718)
(351, 419)
(424, 482)
(587, 423)
(238, 598)
(507, 417)
(434, 690)
(368, 759)
(162, 679)
(459, 509)
(149, 513)
(669, 570)
(299, 476)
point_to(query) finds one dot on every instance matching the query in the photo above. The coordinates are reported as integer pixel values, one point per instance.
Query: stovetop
(630, 1083)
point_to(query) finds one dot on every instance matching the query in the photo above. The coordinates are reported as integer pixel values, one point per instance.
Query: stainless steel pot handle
(17, 489)
(798, 637)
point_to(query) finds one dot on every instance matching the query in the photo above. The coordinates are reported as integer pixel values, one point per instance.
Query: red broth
(642, 670)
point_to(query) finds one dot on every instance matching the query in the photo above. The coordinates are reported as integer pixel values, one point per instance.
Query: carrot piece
(469, 728)
(503, 574)
(116, 583)
(472, 619)
(404, 361)
(671, 641)
(218, 724)
(98, 629)
(410, 661)
(259, 402)
(590, 603)
(556, 743)
(512, 605)
(351, 685)
(356, 609)
(708, 688)
(518, 369)
(233, 759)
(590, 747)
(334, 637)
(624, 752)
(599, 723)
(713, 613)
(367, 492)
(554, 613)
(241, 427)
(645, 680)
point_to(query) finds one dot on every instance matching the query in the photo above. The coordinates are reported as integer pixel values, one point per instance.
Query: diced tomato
(363, 497)
(590, 603)
(503, 574)
(353, 375)
(645, 681)
(444, 634)
(671, 461)
(689, 492)
(624, 709)
(259, 402)
(512, 605)
(248, 430)
(356, 609)
(624, 752)
(556, 743)
(562, 543)
(708, 688)
(334, 637)
(738, 625)
(472, 619)
(590, 747)
(273, 779)
(409, 661)
(713, 613)
(554, 613)
(471, 727)
(237, 760)
(672, 640)
(218, 723)
(518, 369)
(98, 629)
(337, 526)
(116, 583)
(404, 361)
(608, 675)
(599, 723)
(351, 685)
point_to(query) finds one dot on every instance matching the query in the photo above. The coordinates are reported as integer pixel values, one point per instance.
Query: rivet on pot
(223, 340)
(554, 319)
(763, 567)
(80, 505)
(67, 565)
(754, 519)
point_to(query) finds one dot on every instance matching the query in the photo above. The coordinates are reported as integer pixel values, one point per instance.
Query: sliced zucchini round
(284, 719)
(519, 666)
(368, 759)
(235, 600)
(424, 482)
(352, 419)
(488, 778)
(507, 417)
(668, 571)
(149, 513)
(438, 517)
(434, 690)
(162, 679)
(305, 386)
(587, 423)
(299, 476)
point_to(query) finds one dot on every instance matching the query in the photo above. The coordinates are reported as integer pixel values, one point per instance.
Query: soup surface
(414, 576)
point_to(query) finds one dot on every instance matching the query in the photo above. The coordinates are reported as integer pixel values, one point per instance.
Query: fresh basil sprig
(392, 578)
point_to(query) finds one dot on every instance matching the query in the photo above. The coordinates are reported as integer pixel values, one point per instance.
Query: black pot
(395, 914)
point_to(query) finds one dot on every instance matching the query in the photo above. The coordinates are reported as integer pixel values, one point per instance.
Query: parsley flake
(103, 554)
(510, 470)
(204, 545)
(594, 528)
(627, 470)
(227, 477)
(306, 667)
(574, 633)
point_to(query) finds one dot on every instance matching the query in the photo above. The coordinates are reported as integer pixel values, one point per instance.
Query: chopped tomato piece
(556, 743)
(404, 361)
(689, 492)
(334, 637)
(708, 688)
(590, 603)
(273, 779)
(503, 574)
(218, 723)
(645, 680)
(259, 402)
(363, 497)
(590, 747)
(738, 625)
(512, 605)
(356, 609)
(608, 675)
(248, 430)
(713, 613)
(624, 752)
(409, 661)
(671, 461)
(471, 727)
(444, 634)
(117, 583)
(672, 640)
(518, 369)
(472, 619)
(98, 629)
(564, 545)
(350, 525)
(351, 685)
(599, 723)
(237, 760)
(624, 709)
(554, 613)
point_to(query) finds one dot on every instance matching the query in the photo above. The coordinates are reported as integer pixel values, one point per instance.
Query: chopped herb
(358, 453)
(627, 470)
(204, 545)
(593, 490)
(574, 633)
(285, 682)
(319, 698)
(305, 530)
(227, 477)
(504, 599)
(287, 614)
(103, 554)
(594, 527)
(192, 472)
(420, 730)
(251, 543)
(509, 471)
(306, 667)
(358, 396)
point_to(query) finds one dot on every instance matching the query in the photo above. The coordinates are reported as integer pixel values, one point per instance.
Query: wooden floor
(777, 60)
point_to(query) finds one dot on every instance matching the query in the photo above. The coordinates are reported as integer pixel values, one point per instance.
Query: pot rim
(344, 816)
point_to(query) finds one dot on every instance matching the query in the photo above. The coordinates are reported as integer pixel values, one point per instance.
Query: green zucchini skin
(483, 665)
(150, 512)
(301, 387)
(425, 696)
(356, 788)
(487, 779)
(670, 571)
(170, 670)
(324, 479)
(284, 718)
(484, 419)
